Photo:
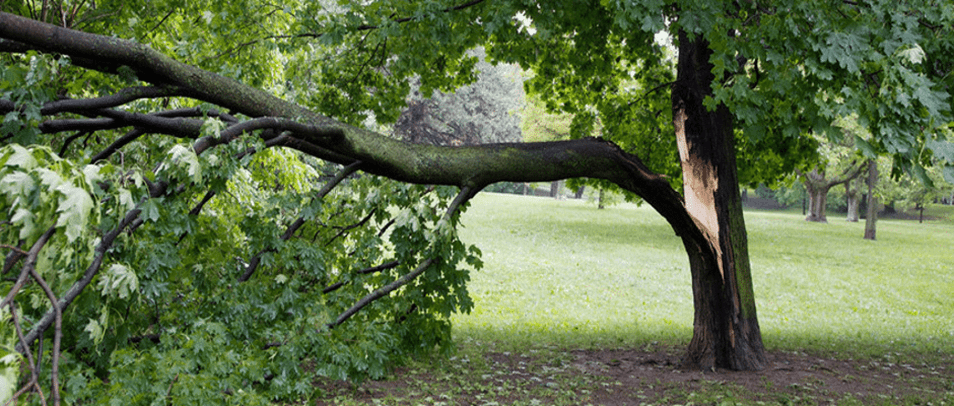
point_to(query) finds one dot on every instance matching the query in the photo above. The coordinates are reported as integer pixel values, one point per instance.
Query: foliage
(207, 276)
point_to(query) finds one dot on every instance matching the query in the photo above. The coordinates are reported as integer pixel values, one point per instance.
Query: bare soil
(653, 377)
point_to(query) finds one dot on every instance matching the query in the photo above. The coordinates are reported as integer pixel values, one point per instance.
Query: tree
(484, 112)
(818, 186)
(738, 66)
(874, 204)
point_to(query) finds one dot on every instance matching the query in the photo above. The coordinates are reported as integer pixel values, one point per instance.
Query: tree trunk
(599, 200)
(852, 189)
(726, 331)
(817, 189)
(579, 193)
(555, 189)
(871, 216)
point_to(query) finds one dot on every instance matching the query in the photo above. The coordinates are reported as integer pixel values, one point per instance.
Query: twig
(57, 334)
(28, 265)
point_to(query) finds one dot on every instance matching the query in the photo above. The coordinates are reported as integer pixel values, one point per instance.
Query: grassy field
(580, 306)
(562, 272)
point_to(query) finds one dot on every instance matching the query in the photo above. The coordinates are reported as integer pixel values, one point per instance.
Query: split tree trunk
(726, 331)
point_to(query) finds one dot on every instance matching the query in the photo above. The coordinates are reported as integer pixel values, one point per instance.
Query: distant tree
(540, 124)
(486, 111)
(874, 204)
(853, 197)
(839, 165)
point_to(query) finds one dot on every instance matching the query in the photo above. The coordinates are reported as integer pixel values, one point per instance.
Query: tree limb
(472, 166)
(104, 245)
(124, 96)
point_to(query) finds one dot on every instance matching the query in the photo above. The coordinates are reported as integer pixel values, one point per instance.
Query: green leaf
(120, 281)
(20, 157)
(27, 222)
(74, 209)
(150, 210)
(943, 150)
(95, 330)
(914, 54)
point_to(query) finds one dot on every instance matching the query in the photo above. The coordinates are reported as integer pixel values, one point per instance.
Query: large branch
(473, 166)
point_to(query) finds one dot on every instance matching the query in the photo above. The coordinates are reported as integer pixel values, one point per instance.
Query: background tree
(837, 156)
(352, 280)
(483, 112)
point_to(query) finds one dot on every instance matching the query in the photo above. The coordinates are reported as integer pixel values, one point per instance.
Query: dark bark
(726, 331)
(579, 192)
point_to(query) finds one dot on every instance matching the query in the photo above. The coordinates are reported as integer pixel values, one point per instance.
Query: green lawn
(563, 273)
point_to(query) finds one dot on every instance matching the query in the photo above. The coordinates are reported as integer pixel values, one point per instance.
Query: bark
(726, 331)
(871, 217)
(817, 189)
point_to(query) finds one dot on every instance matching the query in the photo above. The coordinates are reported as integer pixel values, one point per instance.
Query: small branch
(466, 193)
(130, 136)
(205, 199)
(34, 377)
(122, 97)
(257, 259)
(104, 245)
(273, 123)
(373, 269)
(29, 265)
(14, 249)
(57, 334)
(380, 292)
(197, 112)
(345, 229)
(163, 20)
(177, 127)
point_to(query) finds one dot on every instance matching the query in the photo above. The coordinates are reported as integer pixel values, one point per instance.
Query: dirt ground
(653, 377)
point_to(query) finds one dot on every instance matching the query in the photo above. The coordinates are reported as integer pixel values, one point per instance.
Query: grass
(562, 272)
(561, 276)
